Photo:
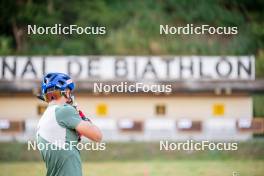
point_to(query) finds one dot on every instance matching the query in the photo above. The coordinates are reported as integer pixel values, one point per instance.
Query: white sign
(130, 68)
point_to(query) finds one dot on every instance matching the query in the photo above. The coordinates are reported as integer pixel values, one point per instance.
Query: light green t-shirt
(56, 131)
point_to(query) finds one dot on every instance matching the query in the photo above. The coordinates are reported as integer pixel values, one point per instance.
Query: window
(126, 125)
(7, 126)
(255, 125)
(218, 109)
(189, 125)
(41, 109)
(101, 110)
(160, 109)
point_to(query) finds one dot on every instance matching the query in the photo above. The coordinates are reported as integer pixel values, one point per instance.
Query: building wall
(196, 108)
(18, 107)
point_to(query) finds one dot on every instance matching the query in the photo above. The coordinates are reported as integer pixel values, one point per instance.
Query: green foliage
(260, 64)
(133, 27)
(5, 45)
(258, 101)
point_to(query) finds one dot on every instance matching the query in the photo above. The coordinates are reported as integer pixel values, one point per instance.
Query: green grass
(143, 159)
(139, 151)
(151, 168)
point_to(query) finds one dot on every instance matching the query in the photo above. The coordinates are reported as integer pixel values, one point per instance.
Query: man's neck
(60, 101)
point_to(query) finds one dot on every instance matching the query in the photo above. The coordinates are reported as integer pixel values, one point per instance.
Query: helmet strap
(69, 98)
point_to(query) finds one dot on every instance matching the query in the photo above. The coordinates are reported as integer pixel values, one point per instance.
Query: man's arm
(89, 130)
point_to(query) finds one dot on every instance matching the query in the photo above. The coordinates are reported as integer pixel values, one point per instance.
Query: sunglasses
(54, 95)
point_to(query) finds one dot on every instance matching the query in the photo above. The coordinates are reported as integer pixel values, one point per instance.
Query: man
(60, 126)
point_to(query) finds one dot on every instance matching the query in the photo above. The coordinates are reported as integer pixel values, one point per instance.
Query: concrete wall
(137, 107)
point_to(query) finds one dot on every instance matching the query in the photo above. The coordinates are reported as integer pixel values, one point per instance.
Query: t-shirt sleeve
(67, 116)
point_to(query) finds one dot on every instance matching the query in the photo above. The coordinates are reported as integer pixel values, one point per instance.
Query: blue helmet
(59, 81)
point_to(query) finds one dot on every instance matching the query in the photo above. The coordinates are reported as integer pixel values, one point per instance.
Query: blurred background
(229, 109)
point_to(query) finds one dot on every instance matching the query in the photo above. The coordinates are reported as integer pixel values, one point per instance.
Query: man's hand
(81, 114)
(83, 117)
(89, 130)
(85, 128)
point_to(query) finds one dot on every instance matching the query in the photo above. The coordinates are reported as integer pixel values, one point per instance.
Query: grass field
(151, 168)
(142, 159)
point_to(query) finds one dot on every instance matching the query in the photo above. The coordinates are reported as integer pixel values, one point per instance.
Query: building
(139, 97)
